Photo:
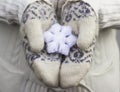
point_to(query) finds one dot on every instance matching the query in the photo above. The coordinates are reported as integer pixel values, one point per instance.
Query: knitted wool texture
(12, 10)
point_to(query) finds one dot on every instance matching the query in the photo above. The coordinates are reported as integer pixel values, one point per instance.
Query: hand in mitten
(81, 17)
(36, 20)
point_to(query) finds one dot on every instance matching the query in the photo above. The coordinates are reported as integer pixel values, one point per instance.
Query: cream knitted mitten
(75, 66)
(37, 18)
(46, 66)
(81, 17)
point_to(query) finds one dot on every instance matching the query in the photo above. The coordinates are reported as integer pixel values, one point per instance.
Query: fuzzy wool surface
(59, 39)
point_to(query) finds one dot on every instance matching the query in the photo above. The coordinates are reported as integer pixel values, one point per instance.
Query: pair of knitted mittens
(39, 20)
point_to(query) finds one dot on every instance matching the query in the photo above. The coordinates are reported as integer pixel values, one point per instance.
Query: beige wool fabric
(12, 10)
(15, 74)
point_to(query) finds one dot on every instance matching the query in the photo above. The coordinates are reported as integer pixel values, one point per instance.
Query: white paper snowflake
(59, 39)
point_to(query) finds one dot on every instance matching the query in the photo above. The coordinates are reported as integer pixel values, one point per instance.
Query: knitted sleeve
(108, 12)
(12, 10)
